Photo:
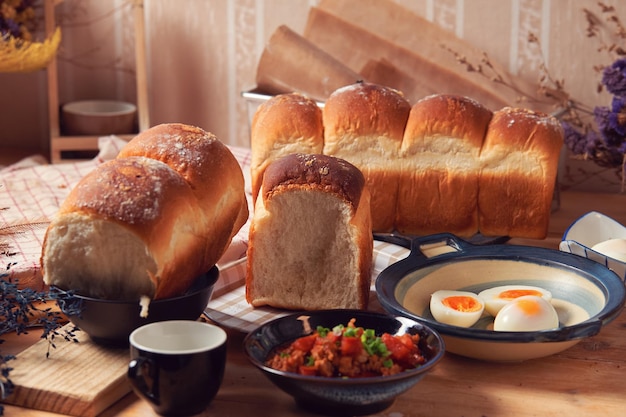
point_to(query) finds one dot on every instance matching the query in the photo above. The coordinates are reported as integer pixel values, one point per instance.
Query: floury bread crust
(519, 164)
(310, 243)
(364, 124)
(440, 164)
(445, 164)
(149, 222)
(210, 169)
(285, 124)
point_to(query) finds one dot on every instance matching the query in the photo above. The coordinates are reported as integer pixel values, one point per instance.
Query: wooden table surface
(585, 380)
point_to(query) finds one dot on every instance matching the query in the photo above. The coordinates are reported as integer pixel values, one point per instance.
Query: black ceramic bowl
(341, 396)
(586, 295)
(110, 322)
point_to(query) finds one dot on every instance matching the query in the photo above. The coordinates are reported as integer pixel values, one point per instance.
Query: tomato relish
(348, 352)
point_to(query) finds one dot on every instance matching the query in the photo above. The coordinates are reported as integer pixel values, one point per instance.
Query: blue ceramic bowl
(339, 396)
(586, 294)
(110, 322)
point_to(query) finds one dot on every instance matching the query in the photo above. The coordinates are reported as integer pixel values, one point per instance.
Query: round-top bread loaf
(148, 223)
(273, 135)
(364, 124)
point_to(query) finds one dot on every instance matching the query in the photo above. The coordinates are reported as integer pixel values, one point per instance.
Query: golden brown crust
(209, 168)
(423, 164)
(323, 172)
(438, 187)
(273, 135)
(364, 124)
(521, 150)
(171, 202)
(364, 109)
(154, 203)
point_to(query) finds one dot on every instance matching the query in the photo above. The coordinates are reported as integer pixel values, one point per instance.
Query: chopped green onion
(310, 361)
(322, 331)
(350, 332)
(387, 363)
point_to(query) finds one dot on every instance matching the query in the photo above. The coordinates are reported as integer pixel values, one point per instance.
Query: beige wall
(203, 53)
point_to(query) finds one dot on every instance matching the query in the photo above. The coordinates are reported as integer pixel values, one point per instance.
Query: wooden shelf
(68, 148)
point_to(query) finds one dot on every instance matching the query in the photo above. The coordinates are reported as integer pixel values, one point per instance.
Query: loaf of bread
(519, 161)
(440, 165)
(364, 124)
(148, 223)
(310, 239)
(273, 134)
(445, 164)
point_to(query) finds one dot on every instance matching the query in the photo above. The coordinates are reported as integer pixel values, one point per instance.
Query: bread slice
(310, 242)
(364, 124)
(519, 159)
(438, 188)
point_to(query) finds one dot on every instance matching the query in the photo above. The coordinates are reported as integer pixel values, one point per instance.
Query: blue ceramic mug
(177, 365)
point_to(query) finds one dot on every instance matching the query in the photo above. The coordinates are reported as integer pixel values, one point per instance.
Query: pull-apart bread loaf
(147, 223)
(310, 241)
(284, 124)
(440, 164)
(364, 124)
(445, 164)
(519, 162)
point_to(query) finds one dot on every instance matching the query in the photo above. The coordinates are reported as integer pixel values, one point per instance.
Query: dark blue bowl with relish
(341, 395)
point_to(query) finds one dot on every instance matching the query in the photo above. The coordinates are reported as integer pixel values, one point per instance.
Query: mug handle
(138, 378)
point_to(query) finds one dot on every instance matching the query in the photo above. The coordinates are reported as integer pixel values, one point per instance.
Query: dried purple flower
(575, 140)
(614, 77)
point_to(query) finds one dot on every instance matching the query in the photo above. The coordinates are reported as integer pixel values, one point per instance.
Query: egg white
(494, 302)
(526, 314)
(448, 315)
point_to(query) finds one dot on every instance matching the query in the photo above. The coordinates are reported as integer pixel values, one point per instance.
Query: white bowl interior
(589, 230)
(593, 228)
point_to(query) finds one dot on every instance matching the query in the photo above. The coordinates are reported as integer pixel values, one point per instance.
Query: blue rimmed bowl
(341, 396)
(589, 230)
(586, 294)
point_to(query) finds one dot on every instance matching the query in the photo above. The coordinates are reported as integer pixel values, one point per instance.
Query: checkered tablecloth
(31, 192)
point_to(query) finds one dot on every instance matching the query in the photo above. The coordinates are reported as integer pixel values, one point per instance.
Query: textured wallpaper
(202, 54)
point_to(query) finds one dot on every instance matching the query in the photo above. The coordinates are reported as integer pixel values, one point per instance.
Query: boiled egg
(526, 314)
(613, 248)
(457, 308)
(497, 297)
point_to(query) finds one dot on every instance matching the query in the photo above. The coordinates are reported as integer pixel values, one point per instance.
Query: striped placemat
(229, 308)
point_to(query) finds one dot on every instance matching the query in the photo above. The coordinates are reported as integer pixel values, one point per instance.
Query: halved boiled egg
(497, 297)
(526, 314)
(457, 308)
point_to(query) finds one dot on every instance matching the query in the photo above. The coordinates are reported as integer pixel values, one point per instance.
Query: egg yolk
(516, 293)
(461, 303)
(529, 307)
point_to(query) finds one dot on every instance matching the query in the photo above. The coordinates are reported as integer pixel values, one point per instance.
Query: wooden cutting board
(77, 379)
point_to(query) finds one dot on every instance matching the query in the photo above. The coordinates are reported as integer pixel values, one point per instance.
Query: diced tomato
(304, 343)
(399, 351)
(407, 341)
(331, 337)
(351, 346)
(307, 370)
